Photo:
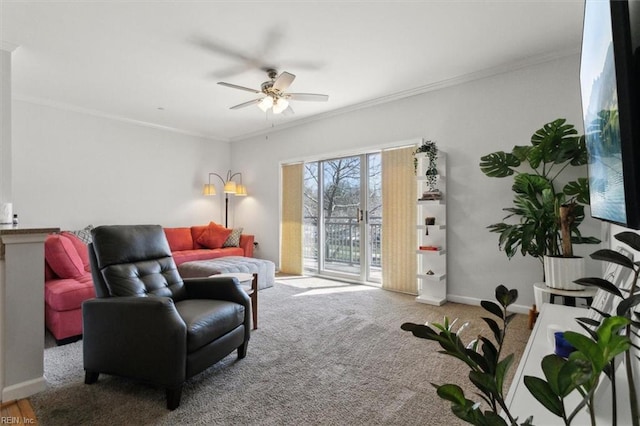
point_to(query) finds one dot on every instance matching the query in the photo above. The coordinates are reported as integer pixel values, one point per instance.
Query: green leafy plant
(534, 224)
(488, 369)
(581, 371)
(629, 298)
(429, 148)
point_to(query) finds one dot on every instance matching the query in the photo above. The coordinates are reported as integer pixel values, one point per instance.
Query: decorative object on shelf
(229, 187)
(580, 372)
(533, 316)
(431, 150)
(6, 213)
(547, 221)
(431, 195)
(562, 347)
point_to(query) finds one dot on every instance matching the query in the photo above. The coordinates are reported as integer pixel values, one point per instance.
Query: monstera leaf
(499, 164)
(579, 189)
(556, 142)
(533, 226)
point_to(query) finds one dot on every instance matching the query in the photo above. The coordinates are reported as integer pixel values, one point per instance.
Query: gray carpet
(325, 353)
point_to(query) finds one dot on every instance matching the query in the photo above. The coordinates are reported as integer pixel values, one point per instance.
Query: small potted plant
(544, 221)
(431, 150)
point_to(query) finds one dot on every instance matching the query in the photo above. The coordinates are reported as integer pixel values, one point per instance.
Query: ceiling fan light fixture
(280, 105)
(265, 103)
(274, 94)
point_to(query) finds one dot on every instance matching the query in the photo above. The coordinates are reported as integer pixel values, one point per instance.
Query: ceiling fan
(273, 94)
(258, 58)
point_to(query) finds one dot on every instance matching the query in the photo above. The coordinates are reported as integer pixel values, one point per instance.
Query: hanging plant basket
(429, 148)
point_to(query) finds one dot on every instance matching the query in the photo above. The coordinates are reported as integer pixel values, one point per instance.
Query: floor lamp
(229, 187)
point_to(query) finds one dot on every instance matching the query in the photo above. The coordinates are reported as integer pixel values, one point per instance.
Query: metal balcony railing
(342, 240)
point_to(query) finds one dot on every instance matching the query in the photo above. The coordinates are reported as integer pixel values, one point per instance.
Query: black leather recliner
(149, 324)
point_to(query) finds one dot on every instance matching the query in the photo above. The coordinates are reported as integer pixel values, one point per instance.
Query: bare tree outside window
(340, 190)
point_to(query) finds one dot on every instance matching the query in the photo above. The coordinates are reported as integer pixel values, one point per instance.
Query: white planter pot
(560, 272)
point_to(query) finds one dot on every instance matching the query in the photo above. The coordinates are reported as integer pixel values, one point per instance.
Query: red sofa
(186, 244)
(67, 283)
(68, 274)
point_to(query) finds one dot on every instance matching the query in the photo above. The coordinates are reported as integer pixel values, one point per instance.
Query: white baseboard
(23, 389)
(519, 309)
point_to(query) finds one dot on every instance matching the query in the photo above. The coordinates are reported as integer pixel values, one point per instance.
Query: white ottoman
(265, 269)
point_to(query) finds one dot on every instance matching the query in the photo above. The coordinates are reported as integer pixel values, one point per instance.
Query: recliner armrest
(221, 288)
(142, 337)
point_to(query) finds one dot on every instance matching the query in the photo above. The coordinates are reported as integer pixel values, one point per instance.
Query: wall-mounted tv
(610, 85)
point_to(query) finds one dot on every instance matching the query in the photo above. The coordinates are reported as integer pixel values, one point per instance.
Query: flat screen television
(610, 86)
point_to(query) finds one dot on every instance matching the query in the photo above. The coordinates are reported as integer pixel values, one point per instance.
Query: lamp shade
(209, 189)
(230, 187)
(241, 191)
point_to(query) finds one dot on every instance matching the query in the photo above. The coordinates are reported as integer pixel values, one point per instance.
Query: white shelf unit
(432, 264)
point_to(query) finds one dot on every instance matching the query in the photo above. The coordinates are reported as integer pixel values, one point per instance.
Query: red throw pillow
(214, 236)
(63, 257)
(81, 248)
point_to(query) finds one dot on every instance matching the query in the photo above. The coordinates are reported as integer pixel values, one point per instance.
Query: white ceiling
(137, 60)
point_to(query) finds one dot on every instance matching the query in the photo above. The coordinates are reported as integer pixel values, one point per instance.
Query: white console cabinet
(520, 401)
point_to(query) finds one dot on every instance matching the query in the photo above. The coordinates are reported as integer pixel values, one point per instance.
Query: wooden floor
(17, 413)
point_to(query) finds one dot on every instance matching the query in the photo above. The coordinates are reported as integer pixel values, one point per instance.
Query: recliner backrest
(135, 260)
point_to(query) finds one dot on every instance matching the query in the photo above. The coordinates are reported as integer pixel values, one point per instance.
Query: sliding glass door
(343, 217)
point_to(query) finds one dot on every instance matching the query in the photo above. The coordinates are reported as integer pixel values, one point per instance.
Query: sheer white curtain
(399, 239)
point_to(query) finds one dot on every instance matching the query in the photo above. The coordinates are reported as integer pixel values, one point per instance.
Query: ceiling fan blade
(283, 81)
(246, 104)
(216, 47)
(235, 86)
(312, 97)
(272, 38)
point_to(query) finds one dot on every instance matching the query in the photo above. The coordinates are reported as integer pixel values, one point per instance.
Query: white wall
(72, 169)
(467, 121)
(5, 126)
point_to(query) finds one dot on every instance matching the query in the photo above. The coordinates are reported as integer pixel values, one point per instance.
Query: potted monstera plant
(545, 218)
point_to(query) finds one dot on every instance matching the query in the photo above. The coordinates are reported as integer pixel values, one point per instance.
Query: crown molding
(73, 108)
(454, 81)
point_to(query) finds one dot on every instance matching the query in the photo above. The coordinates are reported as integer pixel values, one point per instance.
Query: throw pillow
(234, 238)
(214, 236)
(84, 234)
(63, 257)
(81, 248)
